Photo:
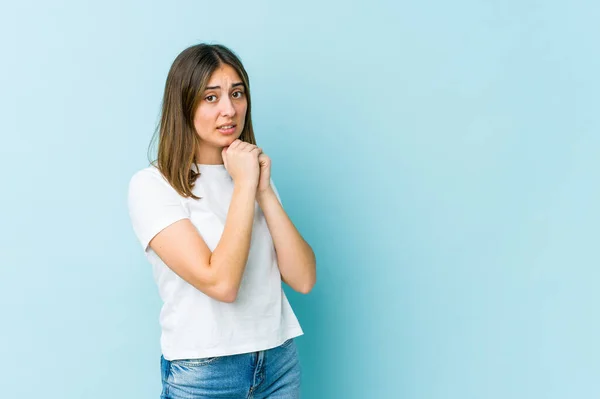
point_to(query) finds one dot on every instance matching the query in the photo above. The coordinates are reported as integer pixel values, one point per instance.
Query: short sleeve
(153, 205)
(276, 192)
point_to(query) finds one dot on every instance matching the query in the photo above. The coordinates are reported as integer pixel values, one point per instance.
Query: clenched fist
(241, 161)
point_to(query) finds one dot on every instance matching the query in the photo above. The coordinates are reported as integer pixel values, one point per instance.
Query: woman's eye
(241, 93)
(208, 98)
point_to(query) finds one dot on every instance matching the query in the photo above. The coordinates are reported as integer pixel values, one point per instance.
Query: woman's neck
(211, 156)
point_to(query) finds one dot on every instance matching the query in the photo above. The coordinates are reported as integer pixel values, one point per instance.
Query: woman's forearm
(296, 259)
(231, 253)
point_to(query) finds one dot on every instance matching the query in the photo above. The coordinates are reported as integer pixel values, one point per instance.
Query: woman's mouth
(227, 129)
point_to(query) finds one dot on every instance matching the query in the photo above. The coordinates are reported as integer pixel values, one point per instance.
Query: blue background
(442, 158)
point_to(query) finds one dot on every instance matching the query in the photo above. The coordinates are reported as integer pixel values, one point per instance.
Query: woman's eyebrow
(219, 87)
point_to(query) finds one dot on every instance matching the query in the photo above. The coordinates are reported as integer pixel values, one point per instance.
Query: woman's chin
(232, 138)
(221, 140)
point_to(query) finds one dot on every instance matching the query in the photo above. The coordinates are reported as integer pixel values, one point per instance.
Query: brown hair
(177, 138)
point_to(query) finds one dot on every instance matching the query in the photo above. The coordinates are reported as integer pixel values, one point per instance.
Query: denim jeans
(274, 374)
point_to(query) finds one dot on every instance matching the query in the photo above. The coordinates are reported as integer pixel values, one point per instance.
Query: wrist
(246, 185)
(261, 194)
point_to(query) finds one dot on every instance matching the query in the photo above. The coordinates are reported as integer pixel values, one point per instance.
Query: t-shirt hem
(170, 354)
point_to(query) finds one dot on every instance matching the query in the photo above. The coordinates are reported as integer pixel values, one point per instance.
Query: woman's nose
(227, 108)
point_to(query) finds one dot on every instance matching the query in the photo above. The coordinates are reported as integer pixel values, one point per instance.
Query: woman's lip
(227, 131)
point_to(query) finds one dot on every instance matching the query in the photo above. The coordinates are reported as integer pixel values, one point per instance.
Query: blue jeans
(274, 374)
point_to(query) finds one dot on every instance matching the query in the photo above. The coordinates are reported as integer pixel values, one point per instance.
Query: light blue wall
(441, 157)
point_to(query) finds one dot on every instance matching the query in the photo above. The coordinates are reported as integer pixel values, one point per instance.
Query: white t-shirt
(193, 324)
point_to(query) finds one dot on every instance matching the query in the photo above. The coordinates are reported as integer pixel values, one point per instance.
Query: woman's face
(220, 115)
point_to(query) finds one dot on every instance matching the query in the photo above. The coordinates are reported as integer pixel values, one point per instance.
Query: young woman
(212, 225)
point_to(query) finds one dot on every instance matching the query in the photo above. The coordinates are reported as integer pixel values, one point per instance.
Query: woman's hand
(241, 160)
(264, 182)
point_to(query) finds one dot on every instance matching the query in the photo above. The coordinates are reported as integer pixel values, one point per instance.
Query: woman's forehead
(224, 75)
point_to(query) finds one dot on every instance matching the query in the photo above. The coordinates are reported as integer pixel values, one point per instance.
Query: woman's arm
(295, 257)
(217, 274)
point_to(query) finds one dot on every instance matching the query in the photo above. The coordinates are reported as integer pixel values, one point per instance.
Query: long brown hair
(177, 138)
